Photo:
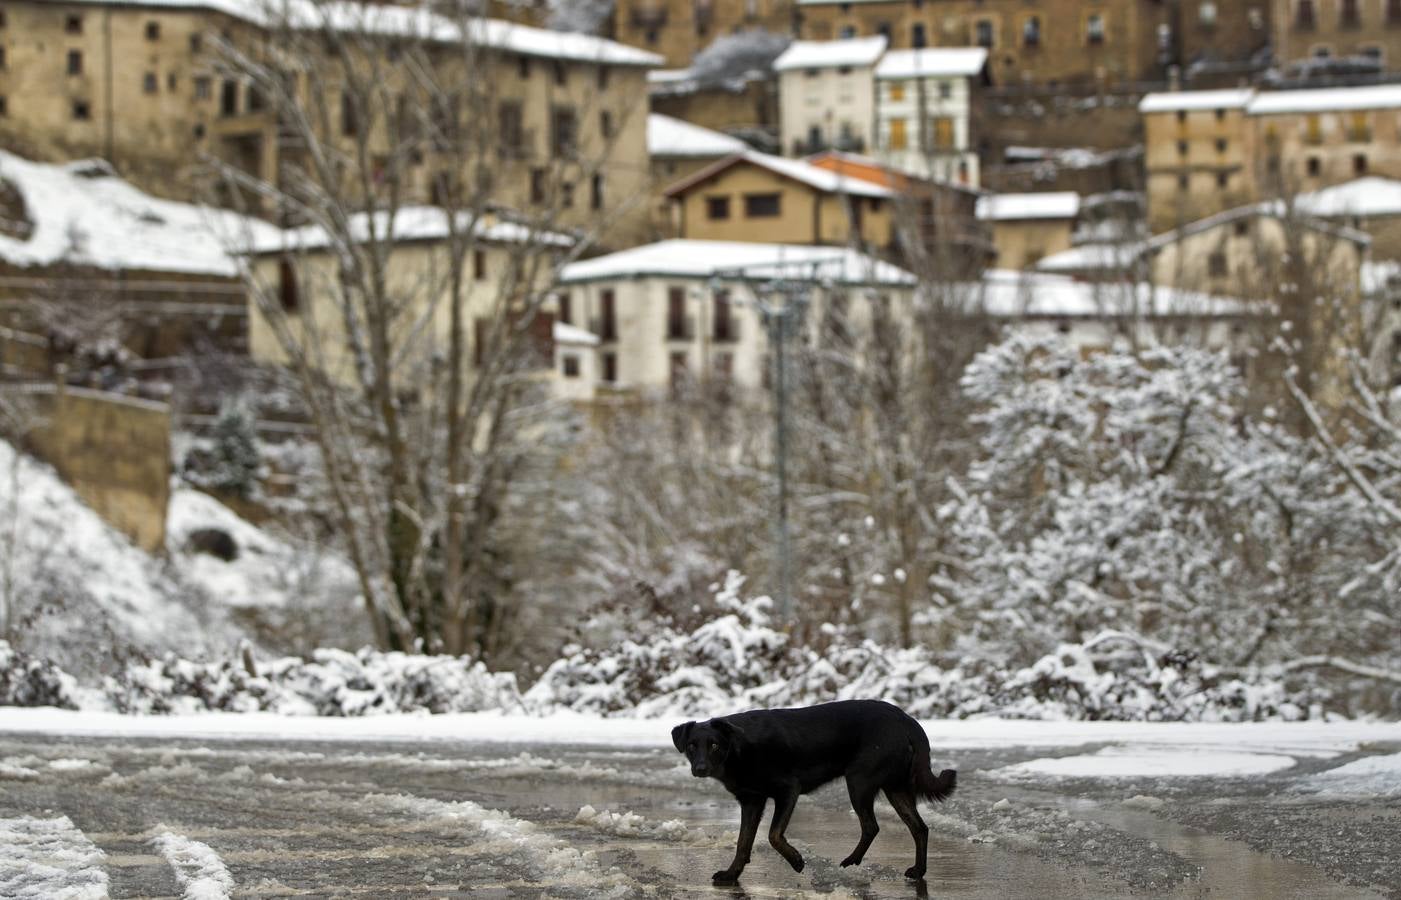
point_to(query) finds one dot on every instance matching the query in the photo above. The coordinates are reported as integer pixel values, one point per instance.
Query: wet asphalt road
(438, 819)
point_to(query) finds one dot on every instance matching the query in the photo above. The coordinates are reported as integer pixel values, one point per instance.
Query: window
(1359, 128)
(943, 132)
(608, 317)
(566, 195)
(983, 33)
(199, 131)
(847, 32)
(570, 364)
(717, 208)
(1221, 145)
(724, 318)
(1223, 180)
(918, 38)
(1182, 148)
(228, 98)
(149, 84)
(202, 87)
(2, 18)
(4, 106)
(676, 329)
(897, 91)
(537, 186)
(1242, 228)
(596, 191)
(522, 67)
(1304, 17)
(1206, 14)
(81, 111)
(1094, 28)
(350, 118)
(610, 367)
(2, 57)
(1031, 32)
(153, 31)
(561, 73)
(1216, 265)
(287, 289)
(1359, 164)
(1349, 16)
(564, 132)
(602, 80)
(883, 29)
(565, 302)
(1315, 166)
(1183, 182)
(73, 24)
(509, 118)
(945, 90)
(678, 371)
(1393, 12)
(1182, 117)
(171, 83)
(605, 124)
(761, 206)
(899, 140)
(479, 265)
(75, 62)
(196, 43)
(1313, 128)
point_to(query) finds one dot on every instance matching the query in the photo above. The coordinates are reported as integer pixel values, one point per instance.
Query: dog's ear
(734, 735)
(680, 734)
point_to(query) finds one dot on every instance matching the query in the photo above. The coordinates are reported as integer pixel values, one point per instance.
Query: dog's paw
(851, 861)
(914, 873)
(797, 863)
(725, 876)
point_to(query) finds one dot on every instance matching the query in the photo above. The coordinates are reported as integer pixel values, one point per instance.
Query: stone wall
(115, 453)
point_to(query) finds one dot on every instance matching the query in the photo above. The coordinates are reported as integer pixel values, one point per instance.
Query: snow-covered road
(216, 806)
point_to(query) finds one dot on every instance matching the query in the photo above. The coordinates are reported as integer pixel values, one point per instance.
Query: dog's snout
(700, 771)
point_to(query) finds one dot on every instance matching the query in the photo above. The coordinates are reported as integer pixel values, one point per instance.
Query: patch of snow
(933, 62)
(831, 54)
(801, 171)
(1371, 776)
(198, 868)
(1341, 99)
(409, 223)
(1363, 197)
(630, 824)
(1193, 101)
(11, 772)
(1145, 801)
(49, 859)
(108, 223)
(1018, 207)
(1135, 762)
(704, 259)
(573, 334)
(667, 136)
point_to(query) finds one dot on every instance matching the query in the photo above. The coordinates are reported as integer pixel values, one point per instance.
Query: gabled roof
(1190, 101)
(884, 173)
(734, 260)
(933, 62)
(804, 173)
(1270, 210)
(673, 137)
(831, 54)
(410, 22)
(1037, 295)
(1014, 207)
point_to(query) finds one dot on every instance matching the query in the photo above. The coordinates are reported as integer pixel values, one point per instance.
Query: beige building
(139, 82)
(680, 313)
(1028, 227)
(679, 29)
(1325, 29)
(826, 95)
(925, 103)
(1208, 151)
(768, 199)
(678, 150)
(1371, 205)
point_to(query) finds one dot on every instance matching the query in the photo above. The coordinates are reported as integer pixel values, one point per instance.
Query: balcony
(680, 328)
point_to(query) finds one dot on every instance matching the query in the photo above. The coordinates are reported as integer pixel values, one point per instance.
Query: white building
(683, 311)
(826, 95)
(924, 104)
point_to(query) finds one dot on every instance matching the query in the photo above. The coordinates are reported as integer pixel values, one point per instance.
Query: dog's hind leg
(904, 803)
(863, 800)
(782, 812)
(750, 812)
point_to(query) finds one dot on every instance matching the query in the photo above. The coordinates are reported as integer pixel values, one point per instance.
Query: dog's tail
(924, 782)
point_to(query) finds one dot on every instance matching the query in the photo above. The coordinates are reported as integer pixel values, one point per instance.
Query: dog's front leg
(751, 810)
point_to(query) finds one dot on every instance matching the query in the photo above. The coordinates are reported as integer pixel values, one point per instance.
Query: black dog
(783, 753)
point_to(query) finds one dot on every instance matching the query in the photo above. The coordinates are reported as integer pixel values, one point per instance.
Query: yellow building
(1028, 227)
(1330, 29)
(756, 197)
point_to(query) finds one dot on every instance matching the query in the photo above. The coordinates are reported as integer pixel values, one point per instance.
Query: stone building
(925, 112)
(678, 150)
(826, 95)
(1028, 227)
(1208, 151)
(1332, 29)
(679, 29)
(140, 82)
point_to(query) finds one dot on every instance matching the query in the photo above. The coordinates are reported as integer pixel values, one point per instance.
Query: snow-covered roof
(933, 62)
(1012, 207)
(707, 259)
(673, 137)
(1378, 96)
(1268, 209)
(574, 335)
(83, 213)
(410, 21)
(1091, 257)
(830, 54)
(1363, 197)
(813, 176)
(1191, 101)
(411, 223)
(1011, 294)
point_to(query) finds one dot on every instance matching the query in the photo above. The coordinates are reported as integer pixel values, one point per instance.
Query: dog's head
(707, 744)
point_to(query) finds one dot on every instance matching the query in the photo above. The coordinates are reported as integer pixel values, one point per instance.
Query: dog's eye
(714, 746)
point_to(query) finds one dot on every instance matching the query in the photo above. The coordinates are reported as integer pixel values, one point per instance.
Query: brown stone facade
(679, 29)
(1337, 28)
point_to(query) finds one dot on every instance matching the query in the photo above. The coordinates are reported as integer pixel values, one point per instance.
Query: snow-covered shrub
(28, 681)
(332, 683)
(231, 460)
